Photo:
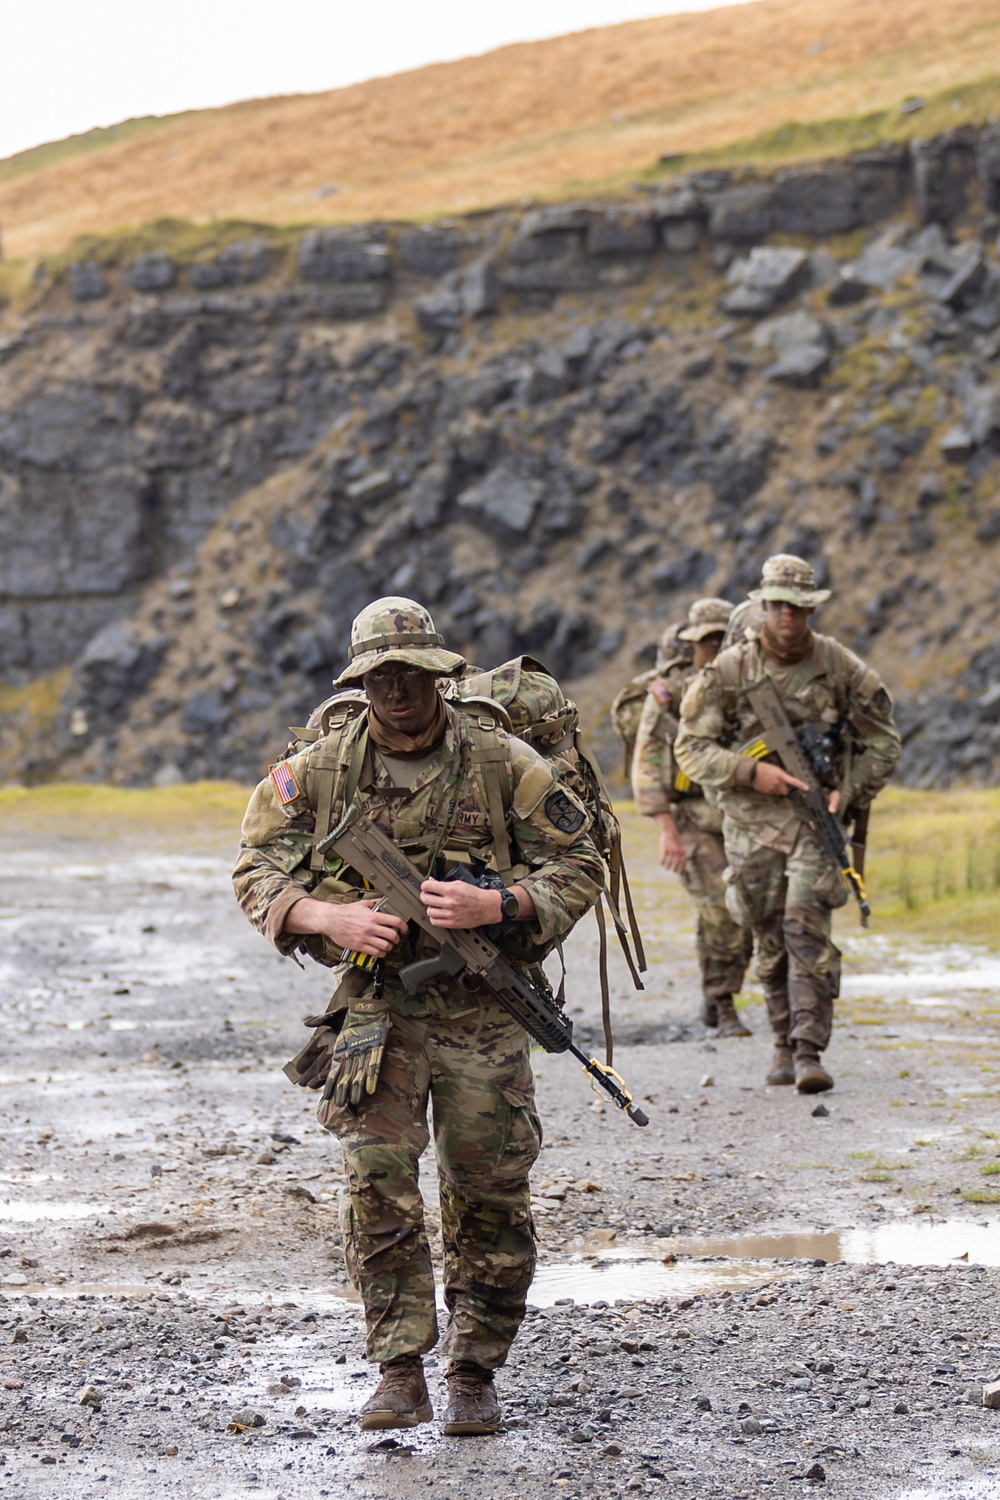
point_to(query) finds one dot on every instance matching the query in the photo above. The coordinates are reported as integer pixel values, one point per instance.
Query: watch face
(509, 906)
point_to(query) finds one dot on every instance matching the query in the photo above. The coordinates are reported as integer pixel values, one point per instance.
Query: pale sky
(68, 66)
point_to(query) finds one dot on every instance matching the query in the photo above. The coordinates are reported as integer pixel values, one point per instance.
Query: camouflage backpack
(626, 709)
(542, 716)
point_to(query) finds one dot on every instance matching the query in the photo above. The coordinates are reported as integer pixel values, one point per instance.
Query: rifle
(780, 739)
(466, 955)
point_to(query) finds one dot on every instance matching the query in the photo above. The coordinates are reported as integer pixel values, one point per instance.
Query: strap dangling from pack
(602, 964)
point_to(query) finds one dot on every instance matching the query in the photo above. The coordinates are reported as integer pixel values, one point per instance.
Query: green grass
(24, 282)
(934, 863)
(50, 152)
(208, 808)
(797, 141)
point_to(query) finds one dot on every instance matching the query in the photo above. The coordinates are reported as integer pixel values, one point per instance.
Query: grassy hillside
(542, 119)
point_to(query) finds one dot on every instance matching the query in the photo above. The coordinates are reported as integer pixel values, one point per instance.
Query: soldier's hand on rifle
(774, 781)
(673, 855)
(833, 806)
(454, 903)
(356, 925)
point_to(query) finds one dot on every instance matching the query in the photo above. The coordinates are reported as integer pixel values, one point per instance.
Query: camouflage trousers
(724, 946)
(788, 900)
(474, 1068)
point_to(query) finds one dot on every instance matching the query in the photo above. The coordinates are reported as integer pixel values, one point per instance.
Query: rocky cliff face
(555, 426)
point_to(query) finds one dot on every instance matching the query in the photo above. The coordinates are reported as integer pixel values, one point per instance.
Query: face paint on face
(404, 697)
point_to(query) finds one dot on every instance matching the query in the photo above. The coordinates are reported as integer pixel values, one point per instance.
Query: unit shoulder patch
(285, 785)
(563, 813)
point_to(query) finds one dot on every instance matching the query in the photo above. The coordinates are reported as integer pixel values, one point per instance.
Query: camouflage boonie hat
(706, 617)
(790, 580)
(395, 629)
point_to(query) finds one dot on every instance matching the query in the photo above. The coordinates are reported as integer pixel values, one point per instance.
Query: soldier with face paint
(782, 884)
(419, 767)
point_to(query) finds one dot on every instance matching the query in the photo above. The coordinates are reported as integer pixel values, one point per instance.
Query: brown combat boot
(400, 1399)
(473, 1409)
(729, 1023)
(810, 1075)
(782, 1066)
(708, 1015)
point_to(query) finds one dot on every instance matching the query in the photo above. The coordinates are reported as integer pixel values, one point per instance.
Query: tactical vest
(836, 669)
(523, 698)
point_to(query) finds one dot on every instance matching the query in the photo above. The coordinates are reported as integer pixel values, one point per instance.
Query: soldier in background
(691, 826)
(626, 709)
(781, 882)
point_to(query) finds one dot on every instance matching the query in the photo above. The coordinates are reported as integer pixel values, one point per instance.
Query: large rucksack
(627, 707)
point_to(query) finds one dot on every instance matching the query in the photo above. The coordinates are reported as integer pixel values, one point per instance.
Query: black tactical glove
(357, 1054)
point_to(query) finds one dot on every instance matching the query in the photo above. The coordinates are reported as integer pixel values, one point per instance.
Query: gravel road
(767, 1294)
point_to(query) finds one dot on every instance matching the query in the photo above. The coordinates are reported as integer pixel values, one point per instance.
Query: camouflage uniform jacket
(658, 783)
(831, 686)
(445, 812)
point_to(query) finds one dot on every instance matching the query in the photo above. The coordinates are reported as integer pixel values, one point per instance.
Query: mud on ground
(168, 1231)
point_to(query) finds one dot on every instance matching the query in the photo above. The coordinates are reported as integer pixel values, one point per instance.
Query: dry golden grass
(542, 119)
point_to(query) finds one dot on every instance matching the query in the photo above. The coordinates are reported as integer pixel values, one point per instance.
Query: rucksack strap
(326, 777)
(491, 765)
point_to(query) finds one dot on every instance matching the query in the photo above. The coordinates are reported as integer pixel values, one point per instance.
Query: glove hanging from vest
(357, 1056)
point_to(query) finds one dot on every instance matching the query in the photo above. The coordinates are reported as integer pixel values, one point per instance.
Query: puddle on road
(611, 1272)
(958, 1489)
(626, 1275)
(35, 1213)
(935, 976)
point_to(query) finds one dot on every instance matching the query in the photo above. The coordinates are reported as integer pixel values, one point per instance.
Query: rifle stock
(464, 954)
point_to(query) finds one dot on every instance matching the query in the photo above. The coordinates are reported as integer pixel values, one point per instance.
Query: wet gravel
(173, 1313)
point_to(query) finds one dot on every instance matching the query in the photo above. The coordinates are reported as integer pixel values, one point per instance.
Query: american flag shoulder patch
(284, 783)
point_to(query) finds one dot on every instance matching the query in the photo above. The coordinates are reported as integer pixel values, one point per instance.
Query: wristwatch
(510, 906)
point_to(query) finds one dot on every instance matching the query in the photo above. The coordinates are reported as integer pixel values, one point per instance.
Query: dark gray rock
(548, 377)
(238, 264)
(881, 182)
(688, 571)
(205, 713)
(344, 255)
(593, 551)
(114, 669)
(988, 166)
(622, 231)
(989, 530)
(439, 312)
(681, 216)
(741, 214)
(479, 288)
(944, 171)
(736, 473)
(878, 268)
(86, 280)
(958, 444)
(503, 499)
(430, 249)
(962, 287)
(982, 413)
(816, 200)
(152, 272)
(769, 275)
(800, 365)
